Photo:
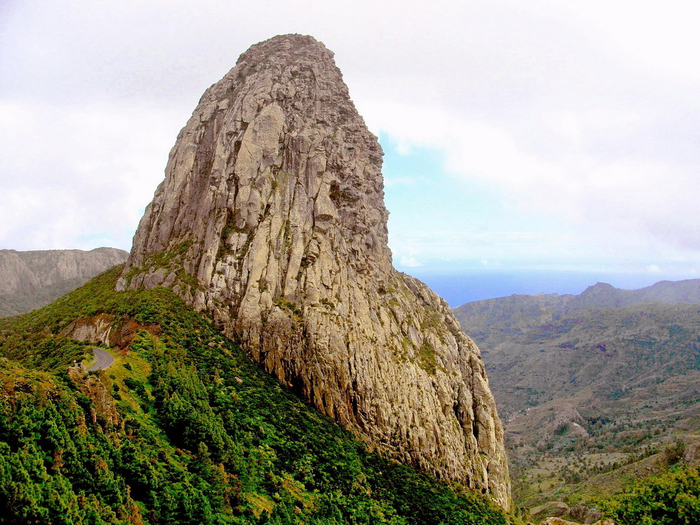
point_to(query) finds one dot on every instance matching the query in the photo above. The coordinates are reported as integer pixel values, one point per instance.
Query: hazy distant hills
(608, 340)
(30, 279)
(607, 350)
(510, 315)
(590, 379)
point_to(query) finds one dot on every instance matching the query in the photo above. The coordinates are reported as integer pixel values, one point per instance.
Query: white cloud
(584, 112)
(409, 262)
(661, 38)
(74, 175)
(606, 171)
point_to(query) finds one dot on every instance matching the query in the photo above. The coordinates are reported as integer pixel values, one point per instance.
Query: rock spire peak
(271, 218)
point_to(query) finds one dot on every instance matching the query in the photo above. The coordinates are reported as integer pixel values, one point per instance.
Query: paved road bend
(103, 359)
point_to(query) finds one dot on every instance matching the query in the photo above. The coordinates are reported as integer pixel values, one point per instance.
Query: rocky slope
(31, 279)
(271, 217)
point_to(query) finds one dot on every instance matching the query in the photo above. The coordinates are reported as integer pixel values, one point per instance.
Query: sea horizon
(461, 287)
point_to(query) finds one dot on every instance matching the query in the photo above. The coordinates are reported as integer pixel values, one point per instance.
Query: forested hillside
(183, 428)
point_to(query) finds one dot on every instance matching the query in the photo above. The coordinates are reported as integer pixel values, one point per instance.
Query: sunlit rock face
(271, 217)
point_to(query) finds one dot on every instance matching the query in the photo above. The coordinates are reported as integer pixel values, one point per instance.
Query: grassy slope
(183, 429)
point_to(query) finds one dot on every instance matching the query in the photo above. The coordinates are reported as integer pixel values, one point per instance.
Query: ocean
(459, 288)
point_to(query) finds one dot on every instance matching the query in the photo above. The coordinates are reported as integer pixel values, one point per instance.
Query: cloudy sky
(547, 138)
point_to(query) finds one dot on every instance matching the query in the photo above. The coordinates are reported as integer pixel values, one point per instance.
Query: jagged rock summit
(271, 217)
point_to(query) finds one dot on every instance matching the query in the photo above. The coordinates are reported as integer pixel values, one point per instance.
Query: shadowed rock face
(271, 217)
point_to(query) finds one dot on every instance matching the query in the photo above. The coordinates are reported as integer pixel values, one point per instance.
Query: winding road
(104, 359)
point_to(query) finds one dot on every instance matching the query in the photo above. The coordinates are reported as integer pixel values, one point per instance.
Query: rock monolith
(271, 218)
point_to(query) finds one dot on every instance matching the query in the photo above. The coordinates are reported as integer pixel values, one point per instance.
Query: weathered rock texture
(271, 217)
(32, 279)
(106, 330)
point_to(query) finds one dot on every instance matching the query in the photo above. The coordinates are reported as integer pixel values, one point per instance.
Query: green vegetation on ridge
(184, 428)
(670, 498)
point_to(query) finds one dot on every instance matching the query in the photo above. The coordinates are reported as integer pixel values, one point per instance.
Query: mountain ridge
(599, 385)
(183, 428)
(520, 311)
(30, 279)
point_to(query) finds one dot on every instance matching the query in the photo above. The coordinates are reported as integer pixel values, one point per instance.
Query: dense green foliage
(671, 498)
(184, 428)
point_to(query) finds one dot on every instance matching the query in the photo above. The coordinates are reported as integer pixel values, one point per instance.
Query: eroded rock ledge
(271, 217)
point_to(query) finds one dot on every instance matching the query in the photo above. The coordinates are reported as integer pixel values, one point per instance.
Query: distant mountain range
(510, 315)
(30, 279)
(538, 347)
(590, 380)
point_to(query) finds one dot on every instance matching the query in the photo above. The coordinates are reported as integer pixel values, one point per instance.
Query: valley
(595, 390)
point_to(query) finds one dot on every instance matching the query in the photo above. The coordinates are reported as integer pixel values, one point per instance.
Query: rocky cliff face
(32, 279)
(271, 217)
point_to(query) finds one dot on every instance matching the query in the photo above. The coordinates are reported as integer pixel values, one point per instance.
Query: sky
(529, 146)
